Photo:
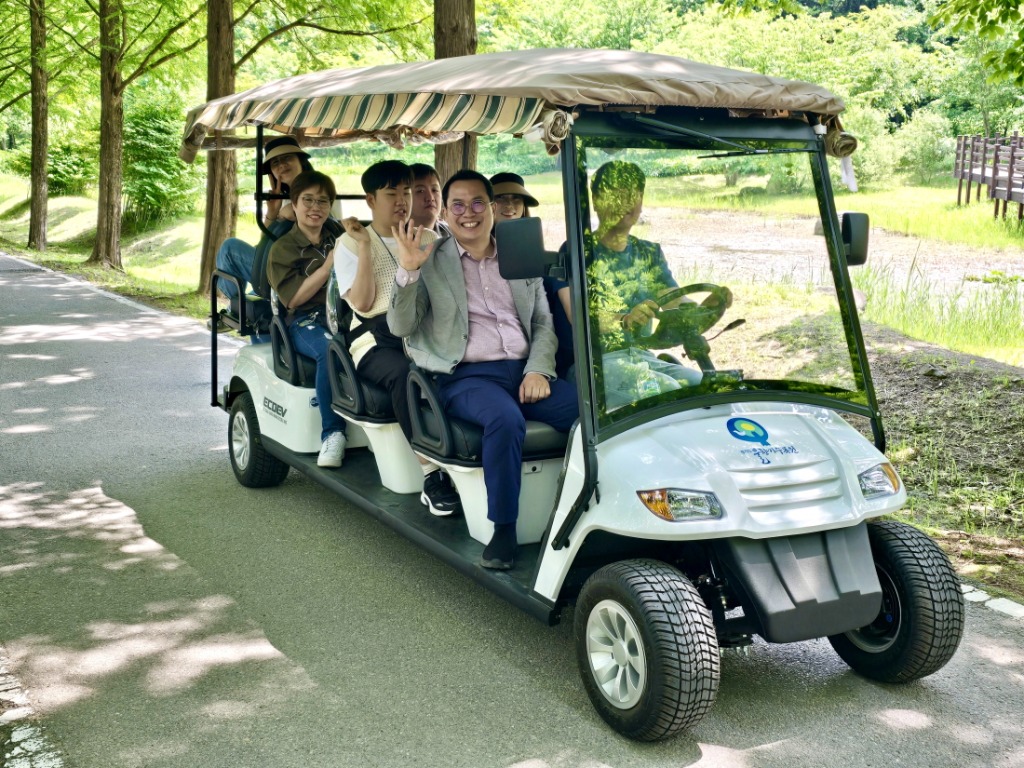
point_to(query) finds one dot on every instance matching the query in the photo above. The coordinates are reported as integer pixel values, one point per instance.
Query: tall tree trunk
(221, 169)
(40, 127)
(107, 249)
(454, 35)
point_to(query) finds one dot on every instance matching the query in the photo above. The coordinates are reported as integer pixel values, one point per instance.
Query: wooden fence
(996, 162)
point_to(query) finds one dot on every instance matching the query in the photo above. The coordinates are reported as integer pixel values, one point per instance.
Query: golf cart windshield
(698, 292)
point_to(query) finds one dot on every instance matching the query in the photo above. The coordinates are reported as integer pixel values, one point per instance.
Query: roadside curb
(23, 742)
(1001, 604)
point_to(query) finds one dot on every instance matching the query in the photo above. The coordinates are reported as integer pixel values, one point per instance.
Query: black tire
(252, 465)
(661, 668)
(921, 622)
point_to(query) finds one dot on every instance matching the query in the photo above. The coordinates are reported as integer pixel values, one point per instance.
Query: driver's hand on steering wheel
(713, 301)
(640, 315)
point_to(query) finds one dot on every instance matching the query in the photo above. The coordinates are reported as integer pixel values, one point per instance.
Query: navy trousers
(487, 394)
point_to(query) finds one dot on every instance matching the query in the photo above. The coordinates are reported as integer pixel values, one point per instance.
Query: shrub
(790, 174)
(157, 184)
(71, 166)
(927, 149)
(877, 156)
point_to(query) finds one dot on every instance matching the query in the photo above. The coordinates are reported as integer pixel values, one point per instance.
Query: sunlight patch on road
(26, 429)
(182, 667)
(162, 640)
(904, 719)
(169, 327)
(1003, 654)
(78, 374)
(971, 734)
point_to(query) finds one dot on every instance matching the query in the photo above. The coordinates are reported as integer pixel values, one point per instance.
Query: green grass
(932, 213)
(988, 323)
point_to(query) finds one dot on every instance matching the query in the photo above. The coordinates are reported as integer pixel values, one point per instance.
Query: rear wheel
(252, 465)
(646, 648)
(921, 621)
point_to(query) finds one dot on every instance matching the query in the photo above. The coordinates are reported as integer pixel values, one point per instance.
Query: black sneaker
(440, 495)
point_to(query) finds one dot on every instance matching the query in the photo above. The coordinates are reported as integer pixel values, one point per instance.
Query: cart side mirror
(855, 238)
(521, 251)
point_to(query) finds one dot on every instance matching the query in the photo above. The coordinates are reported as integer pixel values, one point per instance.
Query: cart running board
(447, 538)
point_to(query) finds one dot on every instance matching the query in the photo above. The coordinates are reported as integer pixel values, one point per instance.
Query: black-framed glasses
(458, 207)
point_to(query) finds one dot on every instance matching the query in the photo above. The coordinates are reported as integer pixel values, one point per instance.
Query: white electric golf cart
(682, 515)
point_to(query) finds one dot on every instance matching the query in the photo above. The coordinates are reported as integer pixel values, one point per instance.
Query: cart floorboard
(447, 538)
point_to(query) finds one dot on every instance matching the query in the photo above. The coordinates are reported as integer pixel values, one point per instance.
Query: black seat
(352, 395)
(452, 440)
(252, 313)
(297, 369)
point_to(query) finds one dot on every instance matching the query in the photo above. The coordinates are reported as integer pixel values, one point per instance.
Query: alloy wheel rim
(615, 651)
(240, 441)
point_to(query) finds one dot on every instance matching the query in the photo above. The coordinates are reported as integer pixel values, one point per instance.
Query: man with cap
(283, 162)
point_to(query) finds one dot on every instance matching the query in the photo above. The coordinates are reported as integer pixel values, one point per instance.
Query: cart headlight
(880, 480)
(679, 504)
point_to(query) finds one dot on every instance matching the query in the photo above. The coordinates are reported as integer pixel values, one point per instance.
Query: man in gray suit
(490, 342)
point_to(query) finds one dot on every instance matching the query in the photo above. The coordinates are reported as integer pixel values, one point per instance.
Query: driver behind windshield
(624, 277)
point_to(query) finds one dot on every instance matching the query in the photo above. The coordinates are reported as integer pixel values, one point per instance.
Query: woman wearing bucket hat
(283, 160)
(511, 200)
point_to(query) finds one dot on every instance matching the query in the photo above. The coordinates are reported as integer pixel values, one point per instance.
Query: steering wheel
(681, 324)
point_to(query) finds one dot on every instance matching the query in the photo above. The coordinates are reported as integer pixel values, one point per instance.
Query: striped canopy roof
(488, 93)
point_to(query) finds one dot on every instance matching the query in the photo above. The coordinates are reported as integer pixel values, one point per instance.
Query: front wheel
(646, 648)
(921, 620)
(252, 465)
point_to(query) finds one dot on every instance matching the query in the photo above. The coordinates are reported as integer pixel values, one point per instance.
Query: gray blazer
(432, 315)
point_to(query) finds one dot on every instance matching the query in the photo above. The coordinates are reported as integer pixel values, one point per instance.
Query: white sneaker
(331, 450)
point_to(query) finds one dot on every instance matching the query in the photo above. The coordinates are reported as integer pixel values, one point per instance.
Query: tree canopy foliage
(999, 22)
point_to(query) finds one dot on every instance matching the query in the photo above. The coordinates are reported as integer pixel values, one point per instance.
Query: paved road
(158, 614)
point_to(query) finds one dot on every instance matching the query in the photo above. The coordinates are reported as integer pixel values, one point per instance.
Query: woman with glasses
(300, 264)
(283, 161)
(511, 200)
